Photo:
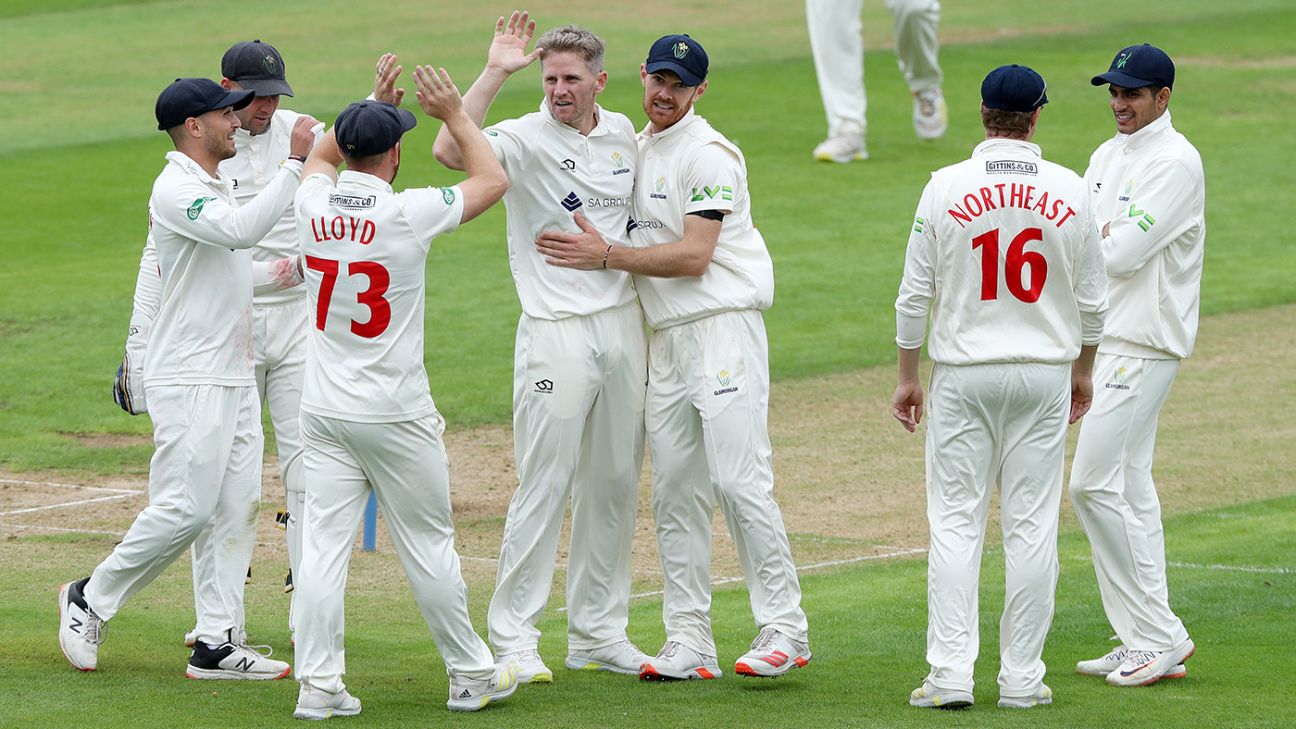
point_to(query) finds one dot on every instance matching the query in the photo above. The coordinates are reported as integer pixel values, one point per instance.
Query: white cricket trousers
(993, 424)
(205, 490)
(708, 402)
(1116, 500)
(838, 49)
(405, 465)
(279, 356)
(578, 431)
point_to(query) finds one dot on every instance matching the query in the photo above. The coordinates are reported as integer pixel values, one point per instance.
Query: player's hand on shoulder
(436, 93)
(508, 48)
(385, 75)
(303, 135)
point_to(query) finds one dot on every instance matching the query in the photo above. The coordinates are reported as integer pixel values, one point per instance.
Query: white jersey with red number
(203, 331)
(1005, 257)
(687, 168)
(364, 248)
(555, 171)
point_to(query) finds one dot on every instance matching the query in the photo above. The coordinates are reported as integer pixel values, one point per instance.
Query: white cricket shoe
(772, 654)
(1141, 668)
(80, 630)
(930, 116)
(927, 696)
(236, 661)
(677, 662)
(847, 146)
(621, 657)
(1102, 666)
(530, 668)
(1043, 695)
(471, 694)
(316, 703)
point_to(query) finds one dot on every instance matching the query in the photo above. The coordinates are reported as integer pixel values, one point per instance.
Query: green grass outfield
(867, 630)
(79, 152)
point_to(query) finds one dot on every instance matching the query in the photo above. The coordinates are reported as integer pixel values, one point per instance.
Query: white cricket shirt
(1150, 187)
(1004, 256)
(687, 168)
(203, 330)
(555, 171)
(365, 252)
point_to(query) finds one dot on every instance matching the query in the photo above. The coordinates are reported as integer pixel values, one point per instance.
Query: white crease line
(70, 486)
(61, 529)
(800, 568)
(1234, 568)
(82, 502)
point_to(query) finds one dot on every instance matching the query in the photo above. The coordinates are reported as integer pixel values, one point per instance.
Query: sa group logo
(571, 202)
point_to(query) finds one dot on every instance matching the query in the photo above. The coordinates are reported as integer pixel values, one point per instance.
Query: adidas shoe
(842, 148)
(471, 694)
(1043, 695)
(316, 703)
(1141, 668)
(677, 661)
(622, 657)
(530, 668)
(80, 630)
(234, 661)
(930, 117)
(928, 696)
(772, 654)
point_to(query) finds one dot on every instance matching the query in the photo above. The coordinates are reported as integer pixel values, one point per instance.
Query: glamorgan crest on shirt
(661, 185)
(619, 163)
(197, 207)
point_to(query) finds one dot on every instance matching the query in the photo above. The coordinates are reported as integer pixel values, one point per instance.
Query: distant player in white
(1149, 196)
(838, 49)
(580, 362)
(279, 317)
(368, 421)
(1004, 258)
(704, 277)
(201, 389)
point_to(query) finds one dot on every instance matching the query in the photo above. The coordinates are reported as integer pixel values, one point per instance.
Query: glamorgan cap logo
(1124, 59)
(681, 50)
(571, 202)
(197, 207)
(270, 65)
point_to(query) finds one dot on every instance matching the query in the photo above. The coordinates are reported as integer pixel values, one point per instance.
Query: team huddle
(269, 278)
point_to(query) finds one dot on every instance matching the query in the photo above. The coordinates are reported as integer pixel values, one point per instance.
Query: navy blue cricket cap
(681, 54)
(187, 97)
(367, 128)
(1138, 66)
(257, 66)
(1014, 88)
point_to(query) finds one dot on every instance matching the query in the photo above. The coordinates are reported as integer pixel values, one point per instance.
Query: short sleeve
(432, 211)
(506, 141)
(712, 180)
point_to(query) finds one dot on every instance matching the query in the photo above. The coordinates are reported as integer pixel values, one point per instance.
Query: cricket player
(704, 276)
(837, 46)
(279, 317)
(1149, 196)
(580, 362)
(368, 421)
(1004, 259)
(200, 385)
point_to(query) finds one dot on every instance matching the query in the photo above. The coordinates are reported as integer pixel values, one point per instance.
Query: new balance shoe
(930, 116)
(772, 654)
(1043, 695)
(622, 657)
(471, 694)
(316, 703)
(928, 696)
(1141, 668)
(677, 662)
(80, 630)
(236, 661)
(529, 667)
(841, 148)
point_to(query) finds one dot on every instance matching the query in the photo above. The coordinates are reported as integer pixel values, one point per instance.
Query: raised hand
(303, 136)
(508, 49)
(385, 76)
(436, 93)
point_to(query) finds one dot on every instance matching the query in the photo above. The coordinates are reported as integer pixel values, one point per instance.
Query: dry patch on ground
(849, 479)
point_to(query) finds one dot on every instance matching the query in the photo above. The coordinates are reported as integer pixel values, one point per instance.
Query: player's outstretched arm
(907, 401)
(588, 250)
(486, 182)
(507, 55)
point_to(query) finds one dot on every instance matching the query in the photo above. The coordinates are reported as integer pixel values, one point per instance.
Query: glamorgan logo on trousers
(544, 386)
